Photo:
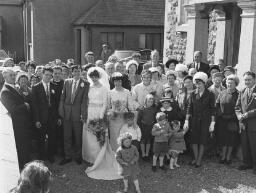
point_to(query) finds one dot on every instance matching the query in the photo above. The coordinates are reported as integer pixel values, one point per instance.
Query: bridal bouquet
(96, 126)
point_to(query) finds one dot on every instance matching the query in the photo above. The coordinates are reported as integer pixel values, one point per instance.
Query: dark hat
(229, 68)
(89, 53)
(214, 67)
(167, 64)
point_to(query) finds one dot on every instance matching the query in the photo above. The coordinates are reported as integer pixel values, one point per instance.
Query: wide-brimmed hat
(200, 76)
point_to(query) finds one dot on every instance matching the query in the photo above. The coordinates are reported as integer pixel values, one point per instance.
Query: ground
(211, 177)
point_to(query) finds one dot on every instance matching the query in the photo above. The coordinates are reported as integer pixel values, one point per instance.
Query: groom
(73, 110)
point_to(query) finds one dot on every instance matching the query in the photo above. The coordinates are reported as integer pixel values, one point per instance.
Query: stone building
(43, 30)
(221, 29)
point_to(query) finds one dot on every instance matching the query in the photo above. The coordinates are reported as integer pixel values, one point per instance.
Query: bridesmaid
(119, 102)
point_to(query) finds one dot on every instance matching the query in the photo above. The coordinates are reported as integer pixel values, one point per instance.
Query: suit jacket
(15, 105)
(59, 87)
(42, 111)
(242, 106)
(202, 68)
(78, 109)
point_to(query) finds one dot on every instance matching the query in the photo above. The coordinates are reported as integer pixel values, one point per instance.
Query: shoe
(192, 163)
(228, 162)
(167, 161)
(163, 168)
(222, 161)
(79, 161)
(244, 167)
(197, 165)
(153, 168)
(65, 161)
(51, 159)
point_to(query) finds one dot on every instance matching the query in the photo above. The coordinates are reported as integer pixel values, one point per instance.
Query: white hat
(200, 76)
(153, 69)
(181, 67)
(129, 63)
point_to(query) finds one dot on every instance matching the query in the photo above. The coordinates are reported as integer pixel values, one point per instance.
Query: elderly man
(20, 114)
(246, 114)
(198, 64)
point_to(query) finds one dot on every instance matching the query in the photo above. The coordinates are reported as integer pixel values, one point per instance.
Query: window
(151, 41)
(115, 40)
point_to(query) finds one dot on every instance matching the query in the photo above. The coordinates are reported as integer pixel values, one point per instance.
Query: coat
(203, 67)
(44, 112)
(200, 110)
(78, 109)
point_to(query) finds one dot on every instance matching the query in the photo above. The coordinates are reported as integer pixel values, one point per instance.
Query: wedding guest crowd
(150, 110)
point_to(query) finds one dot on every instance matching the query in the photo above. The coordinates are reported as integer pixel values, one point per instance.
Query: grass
(211, 177)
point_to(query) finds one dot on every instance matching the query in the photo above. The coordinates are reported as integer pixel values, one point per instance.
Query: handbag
(232, 126)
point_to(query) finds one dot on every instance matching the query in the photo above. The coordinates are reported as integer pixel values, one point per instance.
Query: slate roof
(125, 12)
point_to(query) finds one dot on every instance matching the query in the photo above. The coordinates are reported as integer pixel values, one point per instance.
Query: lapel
(78, 87)
(251, 99)
(15, 92)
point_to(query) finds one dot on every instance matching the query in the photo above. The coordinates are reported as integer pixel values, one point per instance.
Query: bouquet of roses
(97, 127)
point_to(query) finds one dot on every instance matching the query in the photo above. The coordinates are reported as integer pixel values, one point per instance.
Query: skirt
(160, 148)
(146, 135)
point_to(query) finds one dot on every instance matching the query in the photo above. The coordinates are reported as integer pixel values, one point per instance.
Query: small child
(127, 157)
(176, 144)
(131, 128)
(146, 121)
(162, 131)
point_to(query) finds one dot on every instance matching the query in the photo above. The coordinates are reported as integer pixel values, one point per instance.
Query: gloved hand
(211, 128)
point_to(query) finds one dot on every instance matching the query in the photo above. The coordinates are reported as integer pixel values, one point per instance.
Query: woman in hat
(119, 102)
(200, 117)
(171, 64)
(227, 123)
(171, 78)
(182, 71)
(131, 68)
(217, 87)
(213, 69)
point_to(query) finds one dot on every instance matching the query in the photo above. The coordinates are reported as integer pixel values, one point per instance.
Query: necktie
(48, 94)
(73, 92)
(249, 95)
(197, 66)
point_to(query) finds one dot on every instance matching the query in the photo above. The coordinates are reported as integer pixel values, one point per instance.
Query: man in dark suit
(73, 110)
(246, 114)
(198, 64)
(45, 113)
(20, 114)
(58, 82)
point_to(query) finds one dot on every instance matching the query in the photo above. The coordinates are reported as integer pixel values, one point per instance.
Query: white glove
(211, 128)
(186, 125)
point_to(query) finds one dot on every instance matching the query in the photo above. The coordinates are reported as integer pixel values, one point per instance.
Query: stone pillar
(197, 35)
(220, 34)
(247, 50)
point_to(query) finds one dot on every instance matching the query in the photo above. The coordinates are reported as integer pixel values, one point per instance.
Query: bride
(96, 148)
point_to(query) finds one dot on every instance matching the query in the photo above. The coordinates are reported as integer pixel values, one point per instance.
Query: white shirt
(75, 82)
(45, 86)
(133, 130)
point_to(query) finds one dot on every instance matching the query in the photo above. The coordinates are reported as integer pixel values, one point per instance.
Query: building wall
(53, 30)
(12, 36)
(131, 36)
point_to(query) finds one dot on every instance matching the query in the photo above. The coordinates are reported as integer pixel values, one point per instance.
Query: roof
(124, 12)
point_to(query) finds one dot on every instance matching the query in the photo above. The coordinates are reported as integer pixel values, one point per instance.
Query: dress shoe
(79, 161)
(153, 168)
(244, 167)
(198, 165)
(228, 162)
(65, 161)
(222, 161)
(163, 168)
(51, 159)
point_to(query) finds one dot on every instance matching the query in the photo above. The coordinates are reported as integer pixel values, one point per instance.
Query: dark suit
(72, 112)
(46, 113)
(203, 67)
(21, 121)
(248, 136)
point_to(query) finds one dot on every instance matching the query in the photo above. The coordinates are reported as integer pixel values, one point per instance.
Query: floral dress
(119, 102)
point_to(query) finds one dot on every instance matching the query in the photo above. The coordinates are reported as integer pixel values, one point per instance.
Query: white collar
(163, 109)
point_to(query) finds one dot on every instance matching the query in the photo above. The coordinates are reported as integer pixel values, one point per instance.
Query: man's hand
(242, 127)
(38, 125)
(59, 122)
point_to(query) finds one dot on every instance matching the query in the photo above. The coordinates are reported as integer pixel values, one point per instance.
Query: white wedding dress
(103, 158)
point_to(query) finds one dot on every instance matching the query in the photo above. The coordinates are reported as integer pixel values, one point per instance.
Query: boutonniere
(53, 91)
(25, 93)
(82, 85)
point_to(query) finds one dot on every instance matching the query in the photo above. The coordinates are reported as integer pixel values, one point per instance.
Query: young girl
(127, 157)
(35, 177)
(162, 131)
(146, 121)
(176, 143)
(131, 128)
